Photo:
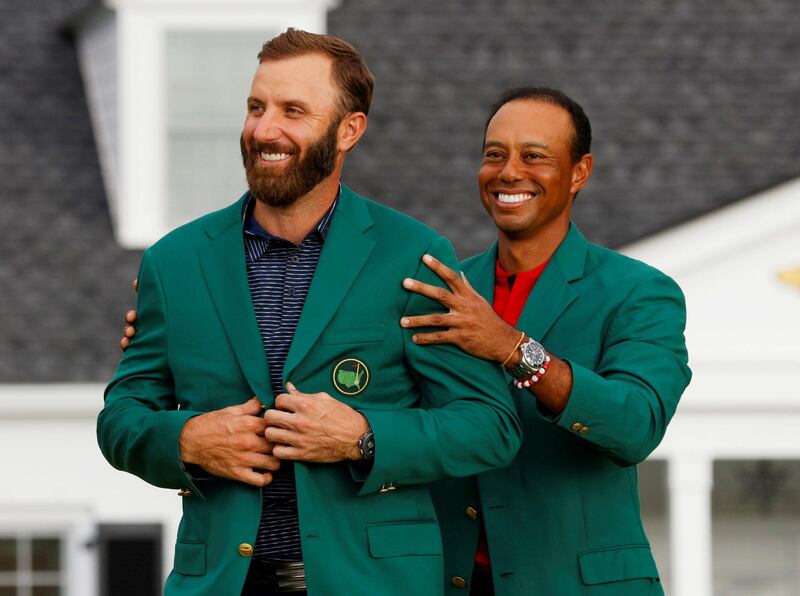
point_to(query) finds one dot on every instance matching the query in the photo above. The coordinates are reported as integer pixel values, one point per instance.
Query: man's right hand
(230, 443)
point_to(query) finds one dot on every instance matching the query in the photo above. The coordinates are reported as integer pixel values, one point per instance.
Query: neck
(294, 222)
(520, 252)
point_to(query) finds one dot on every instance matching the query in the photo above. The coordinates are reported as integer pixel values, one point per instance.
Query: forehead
(307, 77)
(530, 121)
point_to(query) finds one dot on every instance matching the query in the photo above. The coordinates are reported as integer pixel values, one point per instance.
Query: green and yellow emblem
(350, 376)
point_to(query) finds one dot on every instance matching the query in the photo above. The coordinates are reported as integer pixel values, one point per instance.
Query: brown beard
(283, 189)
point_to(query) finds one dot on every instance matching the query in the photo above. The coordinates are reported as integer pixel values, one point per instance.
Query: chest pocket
(354, 334)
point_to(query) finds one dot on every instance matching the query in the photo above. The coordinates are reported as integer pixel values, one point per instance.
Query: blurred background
(120, 119)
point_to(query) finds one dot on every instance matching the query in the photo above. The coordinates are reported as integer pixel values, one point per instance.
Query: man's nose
(511, 171)
(268, 128)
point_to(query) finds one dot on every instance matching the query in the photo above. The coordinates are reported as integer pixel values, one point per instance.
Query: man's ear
(580, 173)
(350, 130)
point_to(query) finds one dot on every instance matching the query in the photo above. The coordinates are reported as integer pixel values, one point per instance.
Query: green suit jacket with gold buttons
(198, 348)
(563, 519)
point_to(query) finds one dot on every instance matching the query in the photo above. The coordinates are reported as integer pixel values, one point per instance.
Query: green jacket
(198, 348)
(563, 519)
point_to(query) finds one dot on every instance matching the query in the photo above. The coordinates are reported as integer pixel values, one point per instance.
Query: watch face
(533, 354)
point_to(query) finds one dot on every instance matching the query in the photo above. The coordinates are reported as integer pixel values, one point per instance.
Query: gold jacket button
(245, 549)
(387, 488)
(185, 492)
(459, 582)
(583, 430)
(577, 427)
(471, 513)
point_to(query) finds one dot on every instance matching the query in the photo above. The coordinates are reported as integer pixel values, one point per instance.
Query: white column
(81, 559)
(690, 482)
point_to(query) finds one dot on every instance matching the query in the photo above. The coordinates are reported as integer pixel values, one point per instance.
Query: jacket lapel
(480, 273)
(223, 264)
(553, 293)
(347, 247)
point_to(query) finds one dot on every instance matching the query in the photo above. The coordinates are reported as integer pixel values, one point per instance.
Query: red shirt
(511, 292)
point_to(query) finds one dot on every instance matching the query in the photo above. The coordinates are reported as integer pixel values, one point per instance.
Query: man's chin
(274, 199)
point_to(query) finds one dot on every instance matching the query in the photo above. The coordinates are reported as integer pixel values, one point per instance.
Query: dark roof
(64, 282)
(693, 105)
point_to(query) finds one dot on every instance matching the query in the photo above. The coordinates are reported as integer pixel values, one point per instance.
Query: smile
(274, 156)
(515, 198)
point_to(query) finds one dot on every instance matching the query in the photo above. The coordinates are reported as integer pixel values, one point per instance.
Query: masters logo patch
(350, 376)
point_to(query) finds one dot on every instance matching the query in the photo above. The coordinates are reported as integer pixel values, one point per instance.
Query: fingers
(441, 295)
(280, 436)
(258, 461)
(450, 277)
(136, 285)
(466, 283)
(434, 320)
(130, 330)
(279, 418)
(254, 478)
(289, 402)
(291, 388)
(288, 452)
(435, 337)
(251, 407)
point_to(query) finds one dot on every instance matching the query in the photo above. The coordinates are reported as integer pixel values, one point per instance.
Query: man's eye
(293, 111)
(532, 156)
(492, 155)
(253, 108)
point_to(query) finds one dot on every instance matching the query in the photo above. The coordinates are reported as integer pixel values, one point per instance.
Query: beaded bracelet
(522, 383)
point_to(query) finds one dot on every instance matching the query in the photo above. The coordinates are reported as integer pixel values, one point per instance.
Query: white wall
(54, 473)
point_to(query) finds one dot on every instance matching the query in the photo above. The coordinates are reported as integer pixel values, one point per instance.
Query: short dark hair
(582, 138)
(350, 71)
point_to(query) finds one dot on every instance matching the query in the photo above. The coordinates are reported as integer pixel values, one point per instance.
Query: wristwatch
(533, 356)
(366, 445)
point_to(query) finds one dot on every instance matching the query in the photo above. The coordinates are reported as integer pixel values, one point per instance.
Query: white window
(31, 564)
(45, 551)
(167, 83)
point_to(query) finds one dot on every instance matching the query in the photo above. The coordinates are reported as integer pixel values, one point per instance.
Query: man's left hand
(471, 323)
(313, 427)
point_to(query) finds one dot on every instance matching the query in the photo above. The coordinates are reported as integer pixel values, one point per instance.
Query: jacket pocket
(190, 558)
(617, 564)
(354, 334)
(404, 539)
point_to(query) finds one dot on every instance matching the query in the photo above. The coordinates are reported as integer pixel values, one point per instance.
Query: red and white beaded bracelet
(522, 383)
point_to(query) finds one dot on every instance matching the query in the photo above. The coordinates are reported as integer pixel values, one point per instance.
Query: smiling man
(292, 295)
(592, 343)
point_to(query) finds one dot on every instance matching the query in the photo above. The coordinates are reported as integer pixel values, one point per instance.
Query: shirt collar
(503, 277)
(251, 228)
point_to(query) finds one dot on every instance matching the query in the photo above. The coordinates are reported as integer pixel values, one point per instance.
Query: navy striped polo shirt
(279, 273)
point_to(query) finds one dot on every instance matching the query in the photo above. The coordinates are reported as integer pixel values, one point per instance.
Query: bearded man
(287, 301)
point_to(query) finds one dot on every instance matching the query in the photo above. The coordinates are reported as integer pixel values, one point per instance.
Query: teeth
(274, 156)
(518, 198)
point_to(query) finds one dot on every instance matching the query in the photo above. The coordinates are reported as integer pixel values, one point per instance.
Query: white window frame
(73, 526)
(141, 211)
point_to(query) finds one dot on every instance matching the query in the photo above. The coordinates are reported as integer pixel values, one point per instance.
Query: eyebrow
(527, 145)
(294, 102)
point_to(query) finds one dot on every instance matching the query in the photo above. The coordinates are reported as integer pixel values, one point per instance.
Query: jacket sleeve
(467, 422)
(139, 425)
(623, 407)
